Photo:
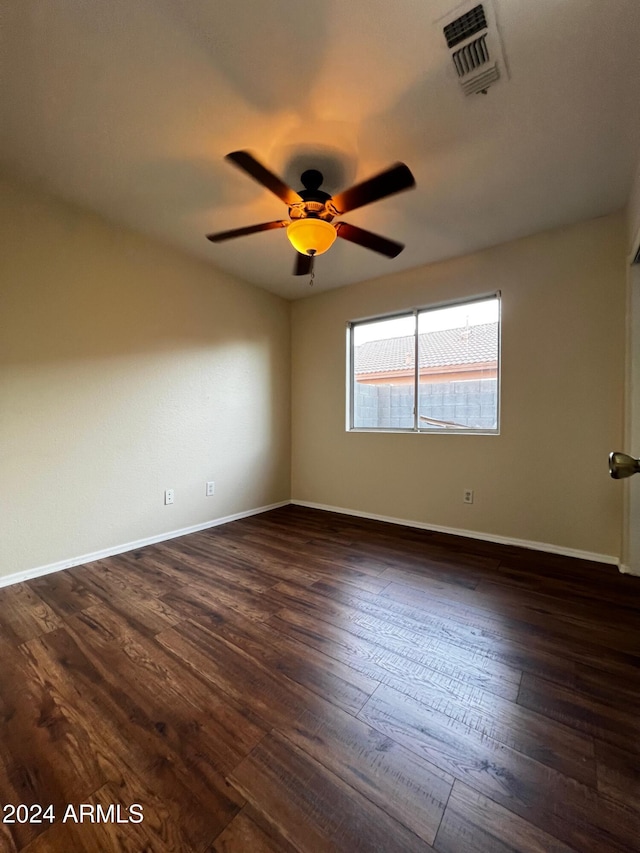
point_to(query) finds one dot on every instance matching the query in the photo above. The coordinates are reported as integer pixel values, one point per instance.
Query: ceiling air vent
(474, 43)
(465, 26)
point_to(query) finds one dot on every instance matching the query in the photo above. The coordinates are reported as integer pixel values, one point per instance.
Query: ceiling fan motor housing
(314, 200)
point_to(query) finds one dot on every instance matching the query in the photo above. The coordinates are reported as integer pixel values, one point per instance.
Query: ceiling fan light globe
(311, 236)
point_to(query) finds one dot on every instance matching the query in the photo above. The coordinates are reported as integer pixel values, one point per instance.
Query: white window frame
(415, 312)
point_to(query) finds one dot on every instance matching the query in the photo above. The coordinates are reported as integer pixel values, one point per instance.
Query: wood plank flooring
(305, 681)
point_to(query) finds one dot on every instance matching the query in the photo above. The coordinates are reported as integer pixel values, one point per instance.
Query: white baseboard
(39, 571)
(470, 534)
(627, 570)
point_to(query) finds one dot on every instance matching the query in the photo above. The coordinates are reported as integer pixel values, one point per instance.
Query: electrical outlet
(168, 497)
(468, 496)
(211, 488)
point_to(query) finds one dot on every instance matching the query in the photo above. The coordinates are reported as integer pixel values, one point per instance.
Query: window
(446, 358)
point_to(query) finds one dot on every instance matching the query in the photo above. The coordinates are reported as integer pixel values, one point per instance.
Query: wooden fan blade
(250, 229)
(248, 163)
(369, 240)
(303, 264)
(393, 180)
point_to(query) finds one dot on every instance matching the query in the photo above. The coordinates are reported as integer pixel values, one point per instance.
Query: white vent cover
(473, 40)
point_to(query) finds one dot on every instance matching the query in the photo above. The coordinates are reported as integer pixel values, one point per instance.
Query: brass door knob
(622, 465)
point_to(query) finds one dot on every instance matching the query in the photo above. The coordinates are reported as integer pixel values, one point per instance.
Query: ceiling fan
(310, 227)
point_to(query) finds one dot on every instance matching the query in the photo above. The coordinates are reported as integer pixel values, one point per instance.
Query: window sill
(392, 431)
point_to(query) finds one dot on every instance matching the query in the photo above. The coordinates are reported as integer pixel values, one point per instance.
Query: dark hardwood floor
(304, 681)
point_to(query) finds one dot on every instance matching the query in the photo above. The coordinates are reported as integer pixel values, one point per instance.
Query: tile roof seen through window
(465, 345)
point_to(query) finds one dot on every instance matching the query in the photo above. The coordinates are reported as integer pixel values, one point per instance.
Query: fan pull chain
(312, 275)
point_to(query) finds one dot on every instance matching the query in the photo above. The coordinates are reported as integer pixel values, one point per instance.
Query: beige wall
(544, 479)
(127, 368)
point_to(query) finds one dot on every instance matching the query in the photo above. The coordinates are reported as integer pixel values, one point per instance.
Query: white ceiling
(128, 108)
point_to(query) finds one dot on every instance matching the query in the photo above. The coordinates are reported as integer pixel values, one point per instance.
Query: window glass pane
(458, 366)
(383, 373)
